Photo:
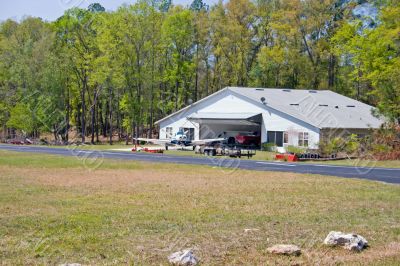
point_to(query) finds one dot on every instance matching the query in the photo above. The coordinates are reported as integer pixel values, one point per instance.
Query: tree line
(98, 73)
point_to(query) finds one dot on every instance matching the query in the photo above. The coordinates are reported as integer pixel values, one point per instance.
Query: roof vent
(350, 106)
(312, 91)
(294, 104)
(263, 100)
(259, 89)
(286, 90)
(323, 105)
(337, 107)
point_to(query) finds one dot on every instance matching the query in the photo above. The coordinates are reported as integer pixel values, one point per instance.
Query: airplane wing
(155, 141)
(204, 141)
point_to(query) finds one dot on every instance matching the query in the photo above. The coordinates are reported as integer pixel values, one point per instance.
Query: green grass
(55, 210)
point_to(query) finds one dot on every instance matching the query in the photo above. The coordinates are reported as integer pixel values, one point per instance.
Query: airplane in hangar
(179, 139)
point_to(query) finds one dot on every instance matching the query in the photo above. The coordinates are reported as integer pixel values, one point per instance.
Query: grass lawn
(54, 210)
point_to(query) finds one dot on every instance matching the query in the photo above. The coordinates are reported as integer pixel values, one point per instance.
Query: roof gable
(191, 105)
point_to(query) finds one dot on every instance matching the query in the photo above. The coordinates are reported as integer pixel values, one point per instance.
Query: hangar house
(280, 116)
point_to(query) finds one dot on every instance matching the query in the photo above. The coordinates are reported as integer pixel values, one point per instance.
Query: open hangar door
(244, 128)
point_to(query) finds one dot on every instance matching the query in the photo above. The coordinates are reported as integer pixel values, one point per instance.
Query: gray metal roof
(320, 108)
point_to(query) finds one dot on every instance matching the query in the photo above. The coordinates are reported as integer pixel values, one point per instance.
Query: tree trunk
(132, 132)
(110, 113)
(83, 122)
(67, 116)
(97, 122)
(197, 74)
(207, 77)
(358, 83)
(103, 120)
(93, 114)
(139, 91)
(331, 71)
(55, 134)
(176, 94)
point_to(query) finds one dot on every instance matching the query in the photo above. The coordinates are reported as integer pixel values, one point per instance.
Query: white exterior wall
(273, 121)
(229, 102)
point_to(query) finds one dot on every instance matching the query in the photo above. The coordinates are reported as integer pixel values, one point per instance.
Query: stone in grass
(348, 241)
(248, 230)
(285, 250)
(183, 258)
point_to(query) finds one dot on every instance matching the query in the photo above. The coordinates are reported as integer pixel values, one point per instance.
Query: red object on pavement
(146, 149)
(153, 150)
(292, 158)
(286, 156)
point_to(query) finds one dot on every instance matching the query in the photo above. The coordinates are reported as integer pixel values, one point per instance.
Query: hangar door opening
(242, 128)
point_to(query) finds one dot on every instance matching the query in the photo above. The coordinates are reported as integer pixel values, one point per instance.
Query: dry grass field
(54, 210)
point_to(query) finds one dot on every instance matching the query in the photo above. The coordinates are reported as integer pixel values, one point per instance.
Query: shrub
(349, 145)
(295, 150)
(269, 146)
(385, 143)
(352, 144)
(382, 144)
(328, 147)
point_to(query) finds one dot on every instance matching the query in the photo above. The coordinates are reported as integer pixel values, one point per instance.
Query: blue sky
(52, 9)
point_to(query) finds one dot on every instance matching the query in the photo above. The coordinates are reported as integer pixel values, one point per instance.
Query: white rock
(248, 230)
(285, 250)
(348, 241)
(183, 258)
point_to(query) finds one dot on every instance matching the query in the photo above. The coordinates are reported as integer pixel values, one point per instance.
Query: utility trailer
(236, 151)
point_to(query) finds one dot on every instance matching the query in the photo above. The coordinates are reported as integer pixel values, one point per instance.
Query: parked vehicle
(25, 141)
(236, 151)
(248, 139)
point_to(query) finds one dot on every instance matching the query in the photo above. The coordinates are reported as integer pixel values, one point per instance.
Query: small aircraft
(179, 139)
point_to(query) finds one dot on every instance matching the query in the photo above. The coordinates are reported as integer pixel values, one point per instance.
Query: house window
(168, 132)
(275, 137)
(303, 139)
(285, 138)
(188, 131)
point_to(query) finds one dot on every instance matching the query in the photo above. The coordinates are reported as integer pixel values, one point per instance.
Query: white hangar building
(281, 116)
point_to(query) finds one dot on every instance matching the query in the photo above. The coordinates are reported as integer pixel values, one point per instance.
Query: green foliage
(115, 73)
(165, 5)
(96, 7)
(295, 149)
(198, 5)
(3, 114)
(21, 118)
(375, 60)
(349, 145)
(352, 144)
(268, 146)
(332, 146)
(385, 142)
